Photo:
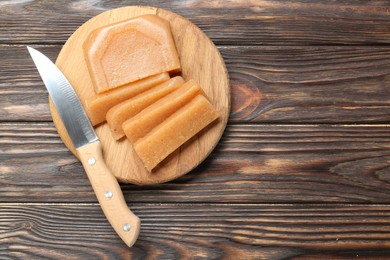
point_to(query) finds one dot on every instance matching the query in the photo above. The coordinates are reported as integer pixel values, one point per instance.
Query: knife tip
(31, 50)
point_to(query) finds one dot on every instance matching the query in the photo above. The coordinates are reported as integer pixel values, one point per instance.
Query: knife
(88, 147)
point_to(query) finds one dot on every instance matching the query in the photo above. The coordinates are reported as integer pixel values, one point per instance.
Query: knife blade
(88, 147)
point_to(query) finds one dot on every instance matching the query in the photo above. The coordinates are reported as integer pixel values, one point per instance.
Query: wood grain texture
(238, 22)
(268, 84)
(197, 231)
(251, 164)
(309, 84)
(200, 61)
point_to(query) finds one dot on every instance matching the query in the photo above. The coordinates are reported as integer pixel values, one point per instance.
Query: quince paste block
(98, 105)
(130, 50)
(141, 124)
(121, 112)
(175, 131)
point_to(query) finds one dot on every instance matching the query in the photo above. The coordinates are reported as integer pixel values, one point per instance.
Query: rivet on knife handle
(109, 194)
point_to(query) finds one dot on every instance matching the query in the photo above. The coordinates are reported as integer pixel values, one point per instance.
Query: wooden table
(303, 169)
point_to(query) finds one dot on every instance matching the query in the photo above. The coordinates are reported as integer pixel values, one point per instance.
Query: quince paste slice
(124, 52)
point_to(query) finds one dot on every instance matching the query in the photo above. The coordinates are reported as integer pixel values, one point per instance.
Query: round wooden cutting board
(200, 61)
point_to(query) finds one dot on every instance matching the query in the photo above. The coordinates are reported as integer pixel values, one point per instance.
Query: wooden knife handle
(109, 193)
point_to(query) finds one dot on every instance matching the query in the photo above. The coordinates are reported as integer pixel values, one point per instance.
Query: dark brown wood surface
(302, 171)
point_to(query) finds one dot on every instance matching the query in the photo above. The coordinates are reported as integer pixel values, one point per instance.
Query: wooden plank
(37, 231)
(309, 84)
(251, 164)
(225, 22)
(22, 93)
(269, 84)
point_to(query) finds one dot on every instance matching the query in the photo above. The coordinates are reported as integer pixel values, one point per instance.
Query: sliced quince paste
(174, 131)
(98, 105)
(142, 123)
(121, 112)
(130, 50)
